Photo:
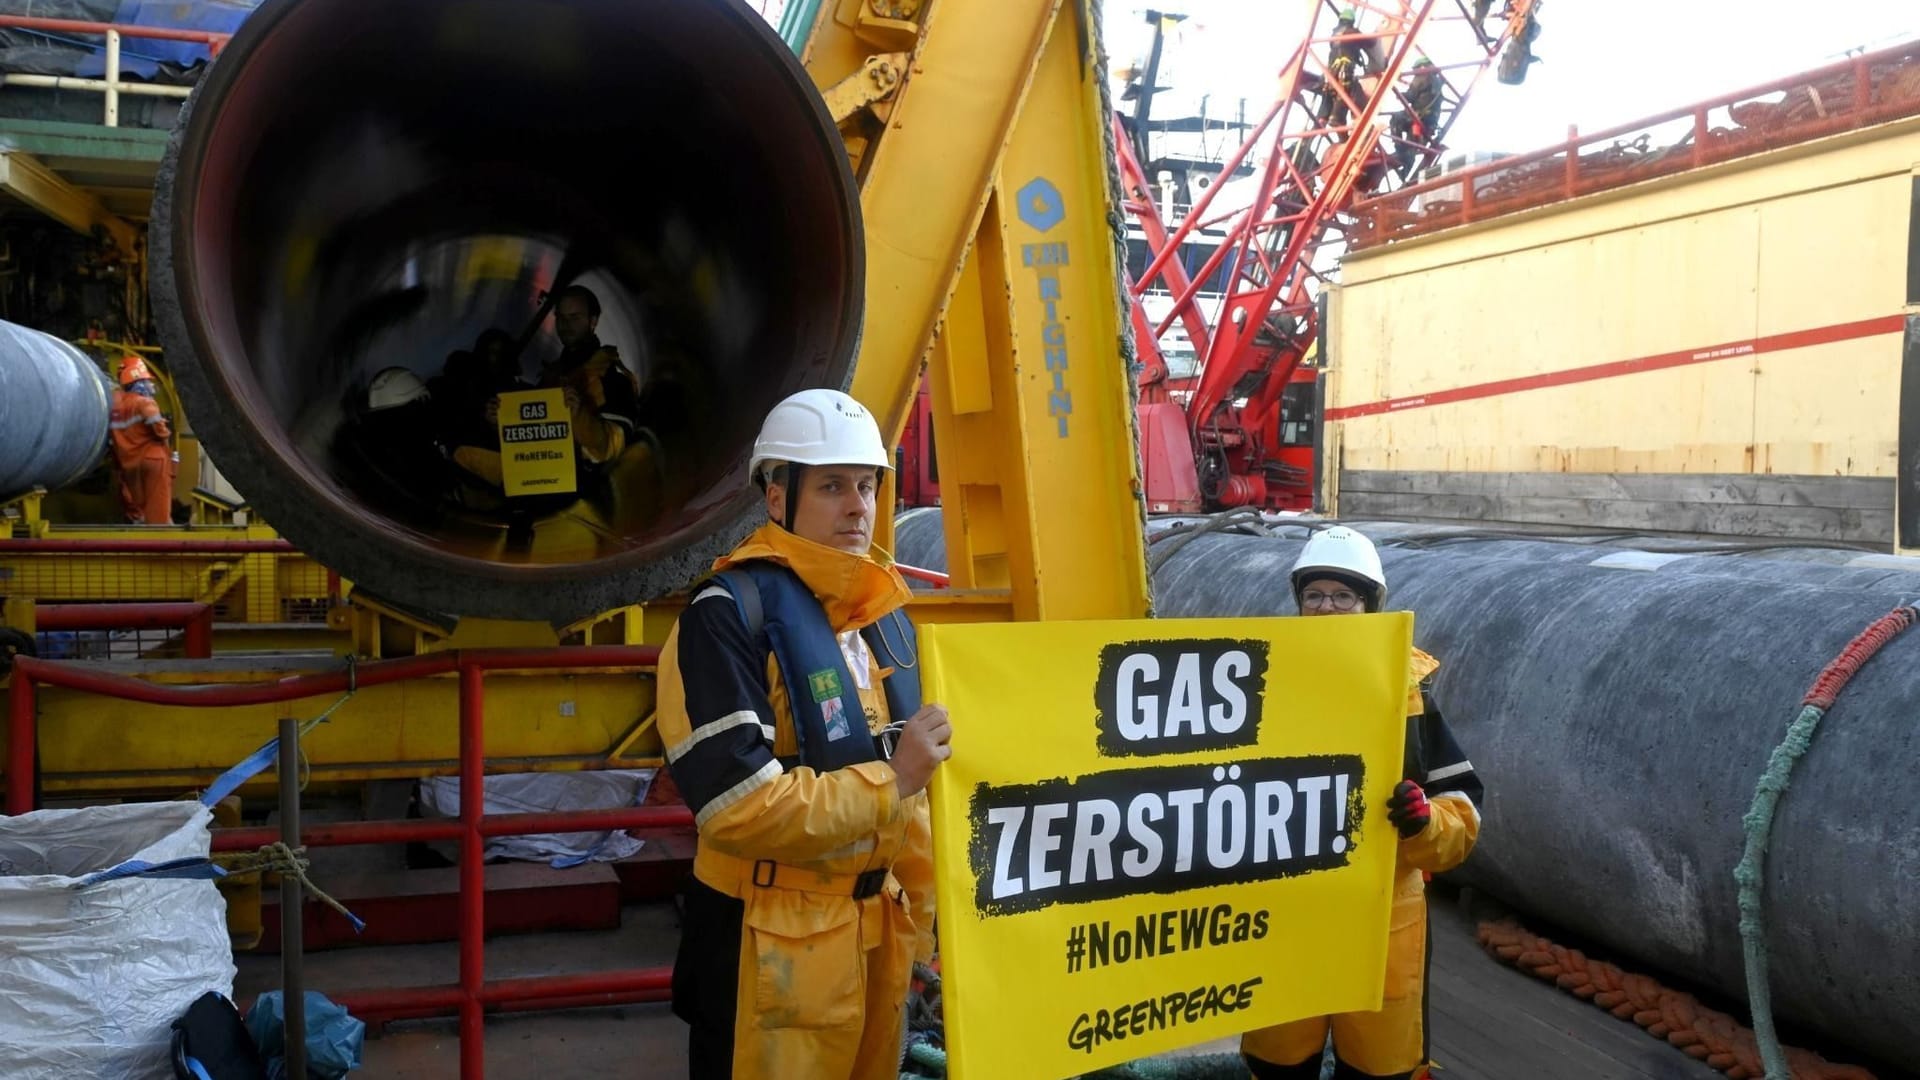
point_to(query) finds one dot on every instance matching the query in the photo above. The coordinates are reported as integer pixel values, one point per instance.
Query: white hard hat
(1343, 554)
(394, 387)
(819, 427)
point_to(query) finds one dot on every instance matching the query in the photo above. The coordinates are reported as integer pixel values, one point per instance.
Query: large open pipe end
(349, 192)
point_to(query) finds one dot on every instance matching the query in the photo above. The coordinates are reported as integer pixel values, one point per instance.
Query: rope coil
(1679, 1018)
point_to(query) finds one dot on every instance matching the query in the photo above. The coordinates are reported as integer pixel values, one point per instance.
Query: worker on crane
(139, 434)
(1348, 57)
(1416, 127)
(789, 703)
(1432, 808)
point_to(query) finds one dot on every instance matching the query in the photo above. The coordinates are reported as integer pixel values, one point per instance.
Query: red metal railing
(213, 40)
(111, 86)
(931, 577)
(473, 996)
(1869, 89)
(77, 545)
(194, 619)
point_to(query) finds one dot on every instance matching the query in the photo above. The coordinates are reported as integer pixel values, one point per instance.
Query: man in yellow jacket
(789, 708)
(1339, 573)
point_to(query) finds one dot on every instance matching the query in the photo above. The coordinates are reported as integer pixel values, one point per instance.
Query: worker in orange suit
(1432, 808)
(789, 704)
(139, 434)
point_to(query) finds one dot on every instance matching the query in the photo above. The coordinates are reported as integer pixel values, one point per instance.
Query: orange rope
(1680, 1019)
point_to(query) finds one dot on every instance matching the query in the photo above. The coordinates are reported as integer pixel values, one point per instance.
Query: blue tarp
(143, 56)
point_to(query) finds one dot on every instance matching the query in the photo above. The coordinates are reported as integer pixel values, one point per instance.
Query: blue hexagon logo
(1040, 204)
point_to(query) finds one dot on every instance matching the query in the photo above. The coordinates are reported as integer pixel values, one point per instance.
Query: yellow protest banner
(536, 443)
(1155, 834)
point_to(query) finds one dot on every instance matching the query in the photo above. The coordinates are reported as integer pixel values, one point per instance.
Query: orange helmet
(132, 370)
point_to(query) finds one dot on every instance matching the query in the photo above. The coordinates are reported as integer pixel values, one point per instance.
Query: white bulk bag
(92, 978)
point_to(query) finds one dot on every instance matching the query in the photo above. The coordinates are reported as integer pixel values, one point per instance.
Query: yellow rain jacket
(1393, 1041)
(782, 971)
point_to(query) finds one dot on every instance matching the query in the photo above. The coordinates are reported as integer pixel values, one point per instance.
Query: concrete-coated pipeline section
(1621, 718)
(353, 188)
(54, 408)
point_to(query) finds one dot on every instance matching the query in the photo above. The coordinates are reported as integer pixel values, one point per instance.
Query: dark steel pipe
(1748, 558)
(54, 405)
(1621, 718)
(324, 212)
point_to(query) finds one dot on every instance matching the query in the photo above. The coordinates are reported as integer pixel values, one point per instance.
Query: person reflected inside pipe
(389, 451)
(465, 409)
(429, 453)
(602, 396)
(616, 456)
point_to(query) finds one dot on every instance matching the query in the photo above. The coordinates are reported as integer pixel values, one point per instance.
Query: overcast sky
(1604, 62)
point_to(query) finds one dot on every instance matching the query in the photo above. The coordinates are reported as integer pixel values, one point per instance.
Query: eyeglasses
(1339, 601)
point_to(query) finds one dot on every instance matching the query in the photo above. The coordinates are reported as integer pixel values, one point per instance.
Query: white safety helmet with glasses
(1340, 554)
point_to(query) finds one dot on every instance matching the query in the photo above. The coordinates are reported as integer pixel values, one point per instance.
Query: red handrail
(196, 619)
(1860, 66)
(294, 687)
(212, 39)
(474, 995)
(76, 545)
(933, 577)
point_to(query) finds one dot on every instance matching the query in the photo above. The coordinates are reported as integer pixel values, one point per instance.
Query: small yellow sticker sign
(536, 443)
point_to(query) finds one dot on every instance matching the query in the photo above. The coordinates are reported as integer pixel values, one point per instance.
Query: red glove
(1408, 809)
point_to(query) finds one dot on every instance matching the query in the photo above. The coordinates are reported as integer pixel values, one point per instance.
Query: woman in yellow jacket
(1338, 573)
(789, 707)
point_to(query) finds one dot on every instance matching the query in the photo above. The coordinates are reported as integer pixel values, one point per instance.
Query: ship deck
(1490, 1021)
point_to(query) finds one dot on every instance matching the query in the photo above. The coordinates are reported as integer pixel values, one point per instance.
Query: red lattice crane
(1361, 111)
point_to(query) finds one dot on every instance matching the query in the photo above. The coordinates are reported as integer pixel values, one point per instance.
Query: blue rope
(1749, 874)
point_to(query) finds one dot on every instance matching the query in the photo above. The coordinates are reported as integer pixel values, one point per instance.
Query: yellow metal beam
(28, 179)
(539, 721)
(928, 177)
(877, 78)
(990, 256)
(1032, 396)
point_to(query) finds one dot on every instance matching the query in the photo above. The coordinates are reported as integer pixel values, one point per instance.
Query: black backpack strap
(746, 597)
